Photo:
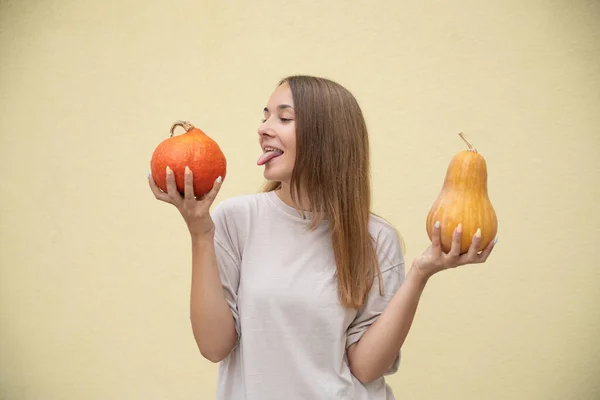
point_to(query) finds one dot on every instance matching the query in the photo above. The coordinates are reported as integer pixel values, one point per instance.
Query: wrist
(205, 237)
(419, 277)
(202, 231)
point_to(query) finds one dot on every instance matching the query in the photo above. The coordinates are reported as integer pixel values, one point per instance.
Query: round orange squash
(464, 200)
(194, 149)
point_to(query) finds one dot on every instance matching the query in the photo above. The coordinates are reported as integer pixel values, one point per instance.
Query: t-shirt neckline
(287, 209)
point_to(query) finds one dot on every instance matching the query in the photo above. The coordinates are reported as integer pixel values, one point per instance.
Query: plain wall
(95, 273)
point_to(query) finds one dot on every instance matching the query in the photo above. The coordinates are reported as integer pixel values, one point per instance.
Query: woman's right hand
(195, 212)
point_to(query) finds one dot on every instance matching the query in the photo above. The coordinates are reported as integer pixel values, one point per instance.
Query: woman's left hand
(434, 260)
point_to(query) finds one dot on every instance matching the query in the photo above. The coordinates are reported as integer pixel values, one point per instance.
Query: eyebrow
(281, 107)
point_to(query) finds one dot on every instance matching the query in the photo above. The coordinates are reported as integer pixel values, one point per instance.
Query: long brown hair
(332, 170)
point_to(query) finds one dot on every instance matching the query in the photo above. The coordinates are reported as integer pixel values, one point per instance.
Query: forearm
(377, 349)
(212, 320)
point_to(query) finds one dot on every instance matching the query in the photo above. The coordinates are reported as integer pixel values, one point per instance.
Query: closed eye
(285, 120)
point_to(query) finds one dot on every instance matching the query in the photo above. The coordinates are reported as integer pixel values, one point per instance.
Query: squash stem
(471, 147)
(184, 124)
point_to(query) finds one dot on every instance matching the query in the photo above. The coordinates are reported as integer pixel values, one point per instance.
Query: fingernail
(437, 224)
(478, 233)
(495, 240)
(148, 175)
(187, 169)
(459, 228)
(219, 179)
(168, 170)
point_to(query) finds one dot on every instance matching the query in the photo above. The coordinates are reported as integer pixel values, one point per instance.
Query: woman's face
(277, 136)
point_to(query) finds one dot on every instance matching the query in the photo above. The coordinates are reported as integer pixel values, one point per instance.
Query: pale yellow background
(95, 273)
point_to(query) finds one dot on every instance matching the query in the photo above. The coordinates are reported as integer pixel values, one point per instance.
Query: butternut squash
(464, 200)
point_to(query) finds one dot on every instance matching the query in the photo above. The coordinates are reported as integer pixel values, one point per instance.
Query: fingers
(454, 252)
(172, 187)
(189, 188)
(189, 185)
(473, 256)
(474, 248)
(436, 245)
(488, 249)
(210, 196)
(159, 194)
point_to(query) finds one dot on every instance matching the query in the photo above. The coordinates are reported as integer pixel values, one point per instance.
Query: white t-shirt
(279, 280)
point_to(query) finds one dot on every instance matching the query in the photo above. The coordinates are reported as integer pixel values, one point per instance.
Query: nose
(264, 130)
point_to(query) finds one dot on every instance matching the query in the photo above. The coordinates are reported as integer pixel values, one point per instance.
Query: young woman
(299, 291)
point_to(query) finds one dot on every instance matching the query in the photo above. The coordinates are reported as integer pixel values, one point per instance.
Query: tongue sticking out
(269, 155)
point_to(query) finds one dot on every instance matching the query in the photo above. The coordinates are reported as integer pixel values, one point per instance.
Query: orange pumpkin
(194, 149)
(464, 200)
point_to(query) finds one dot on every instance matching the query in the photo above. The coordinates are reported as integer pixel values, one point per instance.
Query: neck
(285, 194)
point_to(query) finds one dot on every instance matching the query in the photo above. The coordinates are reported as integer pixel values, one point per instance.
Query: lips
(269, 154)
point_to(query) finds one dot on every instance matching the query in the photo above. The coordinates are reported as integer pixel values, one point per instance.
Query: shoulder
(238, 214)
(383, 231)
(388, 242)
(238, 206)
(233, 218)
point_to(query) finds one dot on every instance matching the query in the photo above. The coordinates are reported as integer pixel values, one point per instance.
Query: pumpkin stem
(471, 148)
(184, 124)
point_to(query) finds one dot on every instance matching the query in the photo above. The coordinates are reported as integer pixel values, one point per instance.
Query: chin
(273, 176)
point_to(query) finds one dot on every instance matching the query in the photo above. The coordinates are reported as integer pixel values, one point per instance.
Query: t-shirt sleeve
(228, 258)
(392, 275)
